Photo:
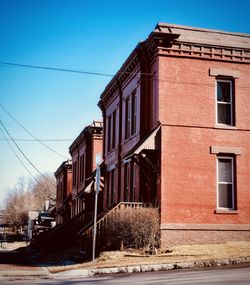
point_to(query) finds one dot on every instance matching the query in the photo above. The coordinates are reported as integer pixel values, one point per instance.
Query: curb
(152, 267)
(23, 274)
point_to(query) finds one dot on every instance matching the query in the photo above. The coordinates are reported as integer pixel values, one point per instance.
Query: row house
(83, 151)
(177, 133)
(63, 177)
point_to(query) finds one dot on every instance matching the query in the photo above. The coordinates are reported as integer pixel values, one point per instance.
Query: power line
(42, 140)
(19, 158)
(45, 145)
(52, 182)
(107, 74)
(58, 69)
(71, 70)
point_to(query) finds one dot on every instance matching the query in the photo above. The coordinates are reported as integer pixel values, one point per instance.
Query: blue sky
(94, 36)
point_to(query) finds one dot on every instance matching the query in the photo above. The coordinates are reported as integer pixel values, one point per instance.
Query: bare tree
(18, 203)
(29, 196)
(44, 188)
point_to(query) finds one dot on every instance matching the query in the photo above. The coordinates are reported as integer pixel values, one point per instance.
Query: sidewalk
(14, 264)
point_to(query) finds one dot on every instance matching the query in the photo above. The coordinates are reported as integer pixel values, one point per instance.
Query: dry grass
(175, 254)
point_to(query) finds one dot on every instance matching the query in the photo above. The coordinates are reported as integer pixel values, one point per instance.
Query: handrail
(92, 221)
(86, 229)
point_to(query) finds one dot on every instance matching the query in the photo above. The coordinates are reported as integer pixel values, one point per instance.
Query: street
(218, 277)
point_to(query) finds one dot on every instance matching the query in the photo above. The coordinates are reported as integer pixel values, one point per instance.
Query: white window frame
(224, 103)
(232, 183)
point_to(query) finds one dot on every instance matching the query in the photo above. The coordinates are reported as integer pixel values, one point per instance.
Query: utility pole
(97, 187)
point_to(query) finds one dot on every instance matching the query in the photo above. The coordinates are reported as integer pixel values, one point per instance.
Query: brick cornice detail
(207, 52)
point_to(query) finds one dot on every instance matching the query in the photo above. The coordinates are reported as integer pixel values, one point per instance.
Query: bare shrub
(133, 227)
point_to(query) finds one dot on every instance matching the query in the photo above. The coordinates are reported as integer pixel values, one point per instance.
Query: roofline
(169, 37)
(82, 134)
(67, 164)
(191, 28)
(116, 76)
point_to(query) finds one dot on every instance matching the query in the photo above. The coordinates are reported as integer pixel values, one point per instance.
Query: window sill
(226, 211)
(227, 127)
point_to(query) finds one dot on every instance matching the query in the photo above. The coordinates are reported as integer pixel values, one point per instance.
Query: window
(81, 168)
(74, 173)
(114, 129)
(109, 133)
(112, 187)
(225, 183)
(133, 113)
(224, 101)
(126, 181)
(130, 115)
(127, 118)
(132, 183)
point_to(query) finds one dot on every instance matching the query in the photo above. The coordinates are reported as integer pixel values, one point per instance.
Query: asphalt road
(239, 276)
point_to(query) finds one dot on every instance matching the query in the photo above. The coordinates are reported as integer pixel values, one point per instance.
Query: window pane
(114, 130)
(126, 181)
(133, 114)
(127, 118)
(223, 91)
(225, 170)
(224, 114)
(225, 196)
(109, 133)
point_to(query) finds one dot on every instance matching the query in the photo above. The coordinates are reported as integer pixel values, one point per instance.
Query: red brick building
(83, 151)
(177, 132)
(63, 177)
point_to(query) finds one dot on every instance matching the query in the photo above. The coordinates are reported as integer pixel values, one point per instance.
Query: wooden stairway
(87, 231)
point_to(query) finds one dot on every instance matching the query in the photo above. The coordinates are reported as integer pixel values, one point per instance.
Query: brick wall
(187, 111)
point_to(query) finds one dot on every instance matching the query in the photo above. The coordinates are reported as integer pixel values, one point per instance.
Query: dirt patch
(171, 255)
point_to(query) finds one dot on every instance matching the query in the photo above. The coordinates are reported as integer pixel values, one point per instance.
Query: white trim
(149, 143)
(224, 72)
(89, 187)
(226, 149)
(218, 182)
(225, 103)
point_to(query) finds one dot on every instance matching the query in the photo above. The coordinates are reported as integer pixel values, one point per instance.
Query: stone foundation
(182, 234)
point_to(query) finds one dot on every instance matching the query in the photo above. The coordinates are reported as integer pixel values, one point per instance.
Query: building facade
(177, 132)
(63, 177)
(83, 151)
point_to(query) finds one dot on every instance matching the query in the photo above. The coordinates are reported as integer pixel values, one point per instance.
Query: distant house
(63, 177)
(83, 151)
(177, 133)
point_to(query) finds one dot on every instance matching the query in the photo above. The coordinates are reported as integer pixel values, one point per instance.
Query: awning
(89, 187)
(149, 143)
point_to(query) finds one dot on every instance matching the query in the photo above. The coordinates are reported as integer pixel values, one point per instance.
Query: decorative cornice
(66, 165)
(208, 52)
(129, 70)
(92, 131)
(178, 41)
(143, 54)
